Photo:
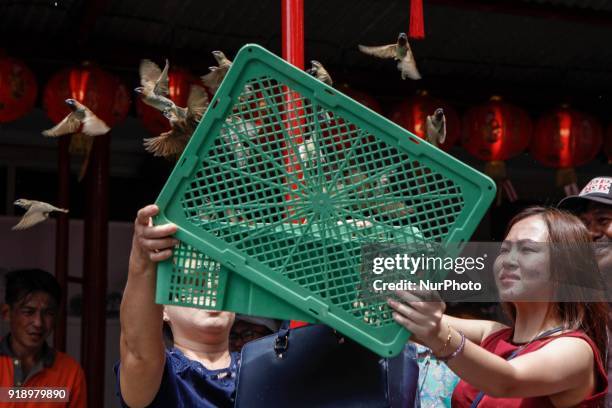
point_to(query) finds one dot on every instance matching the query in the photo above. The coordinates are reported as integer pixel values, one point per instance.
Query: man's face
(598, 220)
(243, 332)
(31, 320)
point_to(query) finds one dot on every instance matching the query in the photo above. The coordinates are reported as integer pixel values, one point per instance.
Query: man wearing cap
(594, 207)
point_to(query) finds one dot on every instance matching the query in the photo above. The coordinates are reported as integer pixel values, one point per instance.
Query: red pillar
(292, 12)
(62, 239)
(293, 31)
(95, 260)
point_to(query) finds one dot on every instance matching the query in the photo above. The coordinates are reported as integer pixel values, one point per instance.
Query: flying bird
(154, 86)
(83, 124)
(37, 212)
(436, 127)
(213, 79)
(400, 51)
(183, 122)
(318, 70)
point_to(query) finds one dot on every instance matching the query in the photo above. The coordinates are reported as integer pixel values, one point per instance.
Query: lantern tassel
(509, 190)
(496, 169)
(571, 190)
(78, 144)
(567, 179)
(417, 26)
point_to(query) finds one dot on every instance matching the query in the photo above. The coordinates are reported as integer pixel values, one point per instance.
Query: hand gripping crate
(282, 183)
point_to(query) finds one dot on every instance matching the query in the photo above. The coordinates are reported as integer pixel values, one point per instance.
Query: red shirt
(500, 343)
(56, 369)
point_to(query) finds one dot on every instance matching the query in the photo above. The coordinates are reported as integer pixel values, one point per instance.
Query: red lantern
(564, 139)
(412, 113)
(179, 86)
(608, 144)
(495, 132)
(18, 89)
(97, 89)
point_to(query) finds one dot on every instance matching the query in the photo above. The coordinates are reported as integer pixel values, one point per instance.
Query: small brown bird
(400, 51)
(436, 127)
(37, 212)
(213, 79)
(83, 125)
(154, 85)
(319, 71)
(183, 121)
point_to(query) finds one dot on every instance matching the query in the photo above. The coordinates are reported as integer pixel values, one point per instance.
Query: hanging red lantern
(495, 132)
(179, 86)
(97, 89)
(412, 113)
(18, 89)
(564, 139)
(608, 144)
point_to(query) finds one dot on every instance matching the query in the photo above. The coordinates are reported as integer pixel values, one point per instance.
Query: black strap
(281, 343)
(547, 333)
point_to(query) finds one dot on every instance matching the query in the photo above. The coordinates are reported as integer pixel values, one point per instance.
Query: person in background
(552, 354)
(198, 370)
(32, 299)
(249, 328)
(594, 207)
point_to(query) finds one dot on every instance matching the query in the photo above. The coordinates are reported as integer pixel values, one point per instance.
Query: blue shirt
(187, 383)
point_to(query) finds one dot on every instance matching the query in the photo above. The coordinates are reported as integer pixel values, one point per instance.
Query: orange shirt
(63, 371)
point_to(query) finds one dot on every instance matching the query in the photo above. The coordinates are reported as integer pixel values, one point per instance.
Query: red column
(293, 31)
(95, 260)
(61, 239)
(292, 12)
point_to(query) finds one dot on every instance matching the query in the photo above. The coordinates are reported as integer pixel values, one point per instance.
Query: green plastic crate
(190, 278)
(289, 216)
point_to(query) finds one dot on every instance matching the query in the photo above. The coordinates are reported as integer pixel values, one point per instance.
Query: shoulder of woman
(495, 331)
(570, 346)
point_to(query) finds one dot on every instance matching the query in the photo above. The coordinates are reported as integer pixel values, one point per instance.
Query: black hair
(23, 282)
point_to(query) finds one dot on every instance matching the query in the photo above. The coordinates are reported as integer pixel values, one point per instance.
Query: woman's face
(198, 323)
(521, 269)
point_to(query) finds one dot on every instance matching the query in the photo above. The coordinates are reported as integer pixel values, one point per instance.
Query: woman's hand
(151, 243)
(422, 318)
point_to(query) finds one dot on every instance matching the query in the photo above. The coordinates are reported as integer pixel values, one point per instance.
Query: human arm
(141, 341)
(538, 373)
(475, 330)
